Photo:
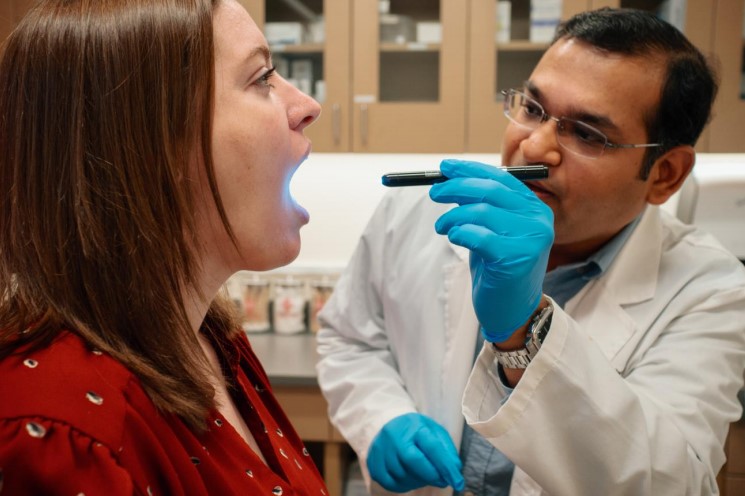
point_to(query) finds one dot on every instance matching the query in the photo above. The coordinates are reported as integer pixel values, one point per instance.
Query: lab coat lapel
(602, 307)
(461, 328)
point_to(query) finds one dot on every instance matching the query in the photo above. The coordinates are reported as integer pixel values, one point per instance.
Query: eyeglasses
(574, 135)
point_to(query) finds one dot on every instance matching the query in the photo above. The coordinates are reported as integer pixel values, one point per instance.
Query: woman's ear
(669, 173)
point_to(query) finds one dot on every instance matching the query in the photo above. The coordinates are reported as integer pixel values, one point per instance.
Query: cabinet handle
(336, 123)
(363, 124)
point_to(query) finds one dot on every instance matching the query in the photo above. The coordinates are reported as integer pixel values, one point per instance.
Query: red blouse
(75, 421)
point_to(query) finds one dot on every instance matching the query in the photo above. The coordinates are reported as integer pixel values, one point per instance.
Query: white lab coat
(636, 383)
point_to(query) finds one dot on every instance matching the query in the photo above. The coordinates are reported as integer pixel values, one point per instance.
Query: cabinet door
(310, 44)
(502, 56)
(409, 75)
(11, 11)
(729, 110)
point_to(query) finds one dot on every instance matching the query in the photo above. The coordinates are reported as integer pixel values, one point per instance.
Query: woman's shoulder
(70, 383)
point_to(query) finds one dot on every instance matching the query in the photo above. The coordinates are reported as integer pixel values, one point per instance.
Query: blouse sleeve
(41, 456)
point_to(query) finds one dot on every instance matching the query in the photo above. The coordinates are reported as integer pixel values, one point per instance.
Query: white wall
(341, 191)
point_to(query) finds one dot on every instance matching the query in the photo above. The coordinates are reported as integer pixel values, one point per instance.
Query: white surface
(341, 192)
(720, 199)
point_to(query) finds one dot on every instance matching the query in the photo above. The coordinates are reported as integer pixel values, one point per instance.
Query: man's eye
(532, 110)
(588, 135)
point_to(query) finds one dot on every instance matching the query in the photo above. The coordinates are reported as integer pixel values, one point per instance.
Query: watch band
(521, 358)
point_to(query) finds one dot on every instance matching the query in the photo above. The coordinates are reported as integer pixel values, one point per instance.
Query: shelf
(410, 47)
(304, 48)
(522, 46)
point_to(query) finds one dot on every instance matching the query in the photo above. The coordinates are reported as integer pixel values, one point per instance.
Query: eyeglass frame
(545, 117)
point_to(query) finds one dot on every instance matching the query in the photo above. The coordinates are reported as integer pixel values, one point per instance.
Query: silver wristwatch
(521, 358)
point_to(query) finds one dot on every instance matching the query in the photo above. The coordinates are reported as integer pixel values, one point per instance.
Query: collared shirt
(487, 472)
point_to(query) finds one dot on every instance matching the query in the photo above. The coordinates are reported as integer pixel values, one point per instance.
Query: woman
(145, 153)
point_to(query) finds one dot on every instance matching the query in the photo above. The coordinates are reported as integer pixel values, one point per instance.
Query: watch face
(541, 330)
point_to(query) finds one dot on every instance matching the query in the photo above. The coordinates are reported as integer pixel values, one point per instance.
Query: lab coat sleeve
(578, 425)
(357, 371)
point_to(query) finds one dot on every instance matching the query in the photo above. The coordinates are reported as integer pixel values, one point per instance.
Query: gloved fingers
(453, 168)
(482, 242)
(415, 463)
(385, 468)
(497, 220)
(466, 190)
(441, 452)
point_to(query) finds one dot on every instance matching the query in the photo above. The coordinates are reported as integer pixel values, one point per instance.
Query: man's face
(592, 199)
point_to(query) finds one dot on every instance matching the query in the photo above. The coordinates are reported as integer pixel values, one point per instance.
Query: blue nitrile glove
(413, 451)
(509, 231)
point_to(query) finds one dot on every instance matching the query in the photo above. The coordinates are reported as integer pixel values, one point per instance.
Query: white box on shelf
(301, 69)
(281, 65)
(317, 31)
(396, 28)
(674, 12)
(504, 21)
(428, 32)
(320, 91)
(283, 33)
(544, 17)
(302, 72)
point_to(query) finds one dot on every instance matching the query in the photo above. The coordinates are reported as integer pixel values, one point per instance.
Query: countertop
(289, 359)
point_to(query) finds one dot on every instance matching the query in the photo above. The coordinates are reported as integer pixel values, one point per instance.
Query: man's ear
(669, 173)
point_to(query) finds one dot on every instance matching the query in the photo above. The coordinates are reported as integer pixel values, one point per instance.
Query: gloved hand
(509, 231)
(413, 451)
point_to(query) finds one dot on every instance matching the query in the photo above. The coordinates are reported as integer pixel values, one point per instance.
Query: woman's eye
(265, 79)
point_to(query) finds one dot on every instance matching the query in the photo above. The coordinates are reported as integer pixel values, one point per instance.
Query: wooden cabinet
(500, 65)
(383, 91)
(386, 91)
(408, 94)
(322, 54)
(729, 47)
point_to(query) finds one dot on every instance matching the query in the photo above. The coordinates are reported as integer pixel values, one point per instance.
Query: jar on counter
(289, 306)
(320, 291)
(255, 304)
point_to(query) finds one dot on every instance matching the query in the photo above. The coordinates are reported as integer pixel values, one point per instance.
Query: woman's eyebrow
(261, 50)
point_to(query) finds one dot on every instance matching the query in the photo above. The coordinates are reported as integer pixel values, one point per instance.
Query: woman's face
(257, 144)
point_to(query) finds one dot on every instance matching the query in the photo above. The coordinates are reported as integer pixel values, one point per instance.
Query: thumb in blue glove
(509, 231)
(413, 451)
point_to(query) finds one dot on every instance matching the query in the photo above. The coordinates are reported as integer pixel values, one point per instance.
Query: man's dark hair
(690, 84)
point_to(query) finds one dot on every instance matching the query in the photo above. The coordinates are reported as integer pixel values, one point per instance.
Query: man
(615, 335)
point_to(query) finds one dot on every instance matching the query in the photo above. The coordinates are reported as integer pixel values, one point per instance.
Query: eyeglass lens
(573, 135)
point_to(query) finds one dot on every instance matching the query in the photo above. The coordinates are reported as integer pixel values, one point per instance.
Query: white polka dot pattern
(36, 430)
(94, 398)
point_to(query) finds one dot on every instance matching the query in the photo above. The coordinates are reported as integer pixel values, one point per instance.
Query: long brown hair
(103, 104)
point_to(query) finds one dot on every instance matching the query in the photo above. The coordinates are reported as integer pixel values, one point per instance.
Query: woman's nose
(302, 110)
